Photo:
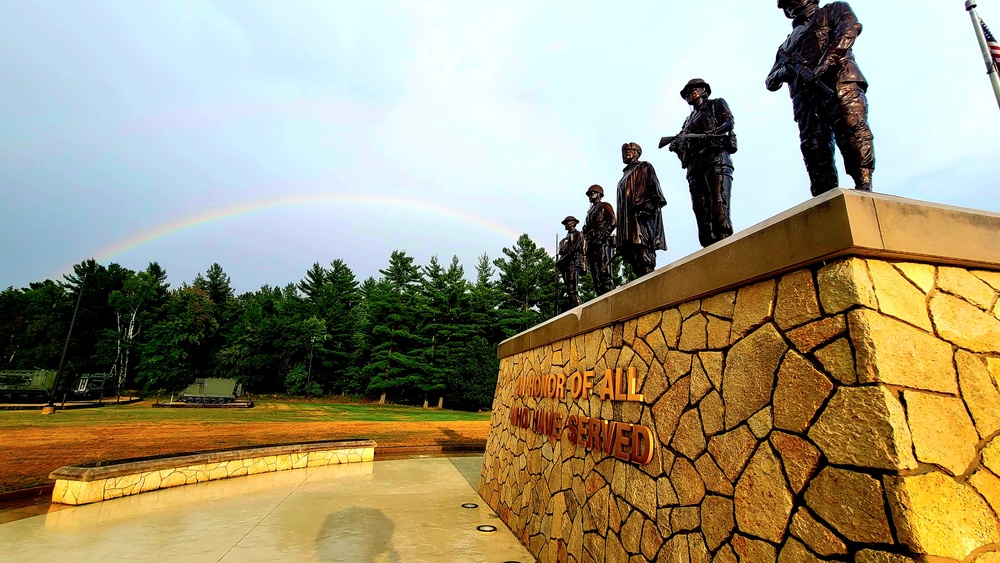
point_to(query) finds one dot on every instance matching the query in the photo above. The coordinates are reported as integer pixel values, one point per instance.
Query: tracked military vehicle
(26, 386)
(212, 391)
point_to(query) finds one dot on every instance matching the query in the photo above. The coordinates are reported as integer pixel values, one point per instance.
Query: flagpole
(991, 67)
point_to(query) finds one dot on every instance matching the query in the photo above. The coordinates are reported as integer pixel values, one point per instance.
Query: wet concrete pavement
(384, 511)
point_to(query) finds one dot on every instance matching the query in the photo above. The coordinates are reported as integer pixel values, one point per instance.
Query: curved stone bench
(83, 484)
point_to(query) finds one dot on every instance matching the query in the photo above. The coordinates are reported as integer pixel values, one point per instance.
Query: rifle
(664, 141)
(800, 66)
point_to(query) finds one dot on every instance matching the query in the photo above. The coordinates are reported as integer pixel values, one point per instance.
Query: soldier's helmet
(568, 219)
(696, 83)
(595, 189)
(633, 146)
(782, 4)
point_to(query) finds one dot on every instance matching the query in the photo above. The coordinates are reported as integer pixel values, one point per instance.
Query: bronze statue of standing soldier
(704, 146)
(640, 223)
(570, 261)
(828, 91)
(597, 229)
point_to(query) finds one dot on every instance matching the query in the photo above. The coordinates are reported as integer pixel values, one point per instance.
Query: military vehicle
(34, 386)
(26, 386)
(94, 385)
(212, 391)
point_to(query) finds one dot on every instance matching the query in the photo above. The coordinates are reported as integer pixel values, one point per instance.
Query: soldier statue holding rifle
(828, 91)
(570, 262)
(597, 231)
(704, 146)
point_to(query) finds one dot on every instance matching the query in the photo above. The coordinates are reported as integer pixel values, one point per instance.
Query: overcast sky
(270, 135)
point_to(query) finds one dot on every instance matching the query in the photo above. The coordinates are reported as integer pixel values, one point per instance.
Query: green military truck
(212, 391)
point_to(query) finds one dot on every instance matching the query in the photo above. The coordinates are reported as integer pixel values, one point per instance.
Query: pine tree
(446, 324)
(529, 285)
(340, 320)
(218, 288)
(396, 362)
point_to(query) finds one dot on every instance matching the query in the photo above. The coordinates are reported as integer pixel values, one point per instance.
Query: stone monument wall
(845, 410)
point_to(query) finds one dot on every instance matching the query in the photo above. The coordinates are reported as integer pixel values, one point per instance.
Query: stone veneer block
(872, 556)
(965, 284)
(936, 515)
(749, 375)
(721, 305)
(795, 552)
(84, 485)
(852, 503)
(754, 306)
(992, 279)
(980, 392)
(808, 337)
(818, 537)
(942, 432)
(897, 297)
(895, 353)
(988, 486)
(796, 303)
(920, 274)
(845, 284)
(838, 360)
(732, 450)
(991, 455)
(763, 501)
(801, 390)
(965, 325)
(865, 427)
(800, 458)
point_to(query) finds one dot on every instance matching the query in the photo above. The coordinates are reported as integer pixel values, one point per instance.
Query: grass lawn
(32, 445)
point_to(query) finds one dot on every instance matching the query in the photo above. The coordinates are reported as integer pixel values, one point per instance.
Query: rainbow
(258, 206)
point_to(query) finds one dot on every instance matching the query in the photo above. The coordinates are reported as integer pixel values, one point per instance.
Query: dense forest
(417, 333)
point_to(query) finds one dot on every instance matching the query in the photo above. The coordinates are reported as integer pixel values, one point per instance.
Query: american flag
(991, 42)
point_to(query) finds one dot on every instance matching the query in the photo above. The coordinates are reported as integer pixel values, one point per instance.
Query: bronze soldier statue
(570, 261)
(704, 145)
(828, 91)
(597, 234)
(640, 224)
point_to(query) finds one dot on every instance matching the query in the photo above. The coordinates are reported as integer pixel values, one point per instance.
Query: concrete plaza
(382, 511)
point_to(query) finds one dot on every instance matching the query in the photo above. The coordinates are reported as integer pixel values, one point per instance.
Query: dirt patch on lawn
(27, 456)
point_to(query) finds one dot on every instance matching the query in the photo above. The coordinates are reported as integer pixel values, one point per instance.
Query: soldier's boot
(722, 226)
(859, 159)
(863, 180)
(817, 153)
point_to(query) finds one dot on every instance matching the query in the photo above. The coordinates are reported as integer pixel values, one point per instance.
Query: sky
(267, 136)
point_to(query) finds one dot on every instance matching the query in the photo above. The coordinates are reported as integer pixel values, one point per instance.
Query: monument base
(823, 386)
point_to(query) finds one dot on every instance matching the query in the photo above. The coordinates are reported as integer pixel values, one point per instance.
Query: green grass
(266, 410)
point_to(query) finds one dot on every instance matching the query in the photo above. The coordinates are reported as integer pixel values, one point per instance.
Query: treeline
(416, 333)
